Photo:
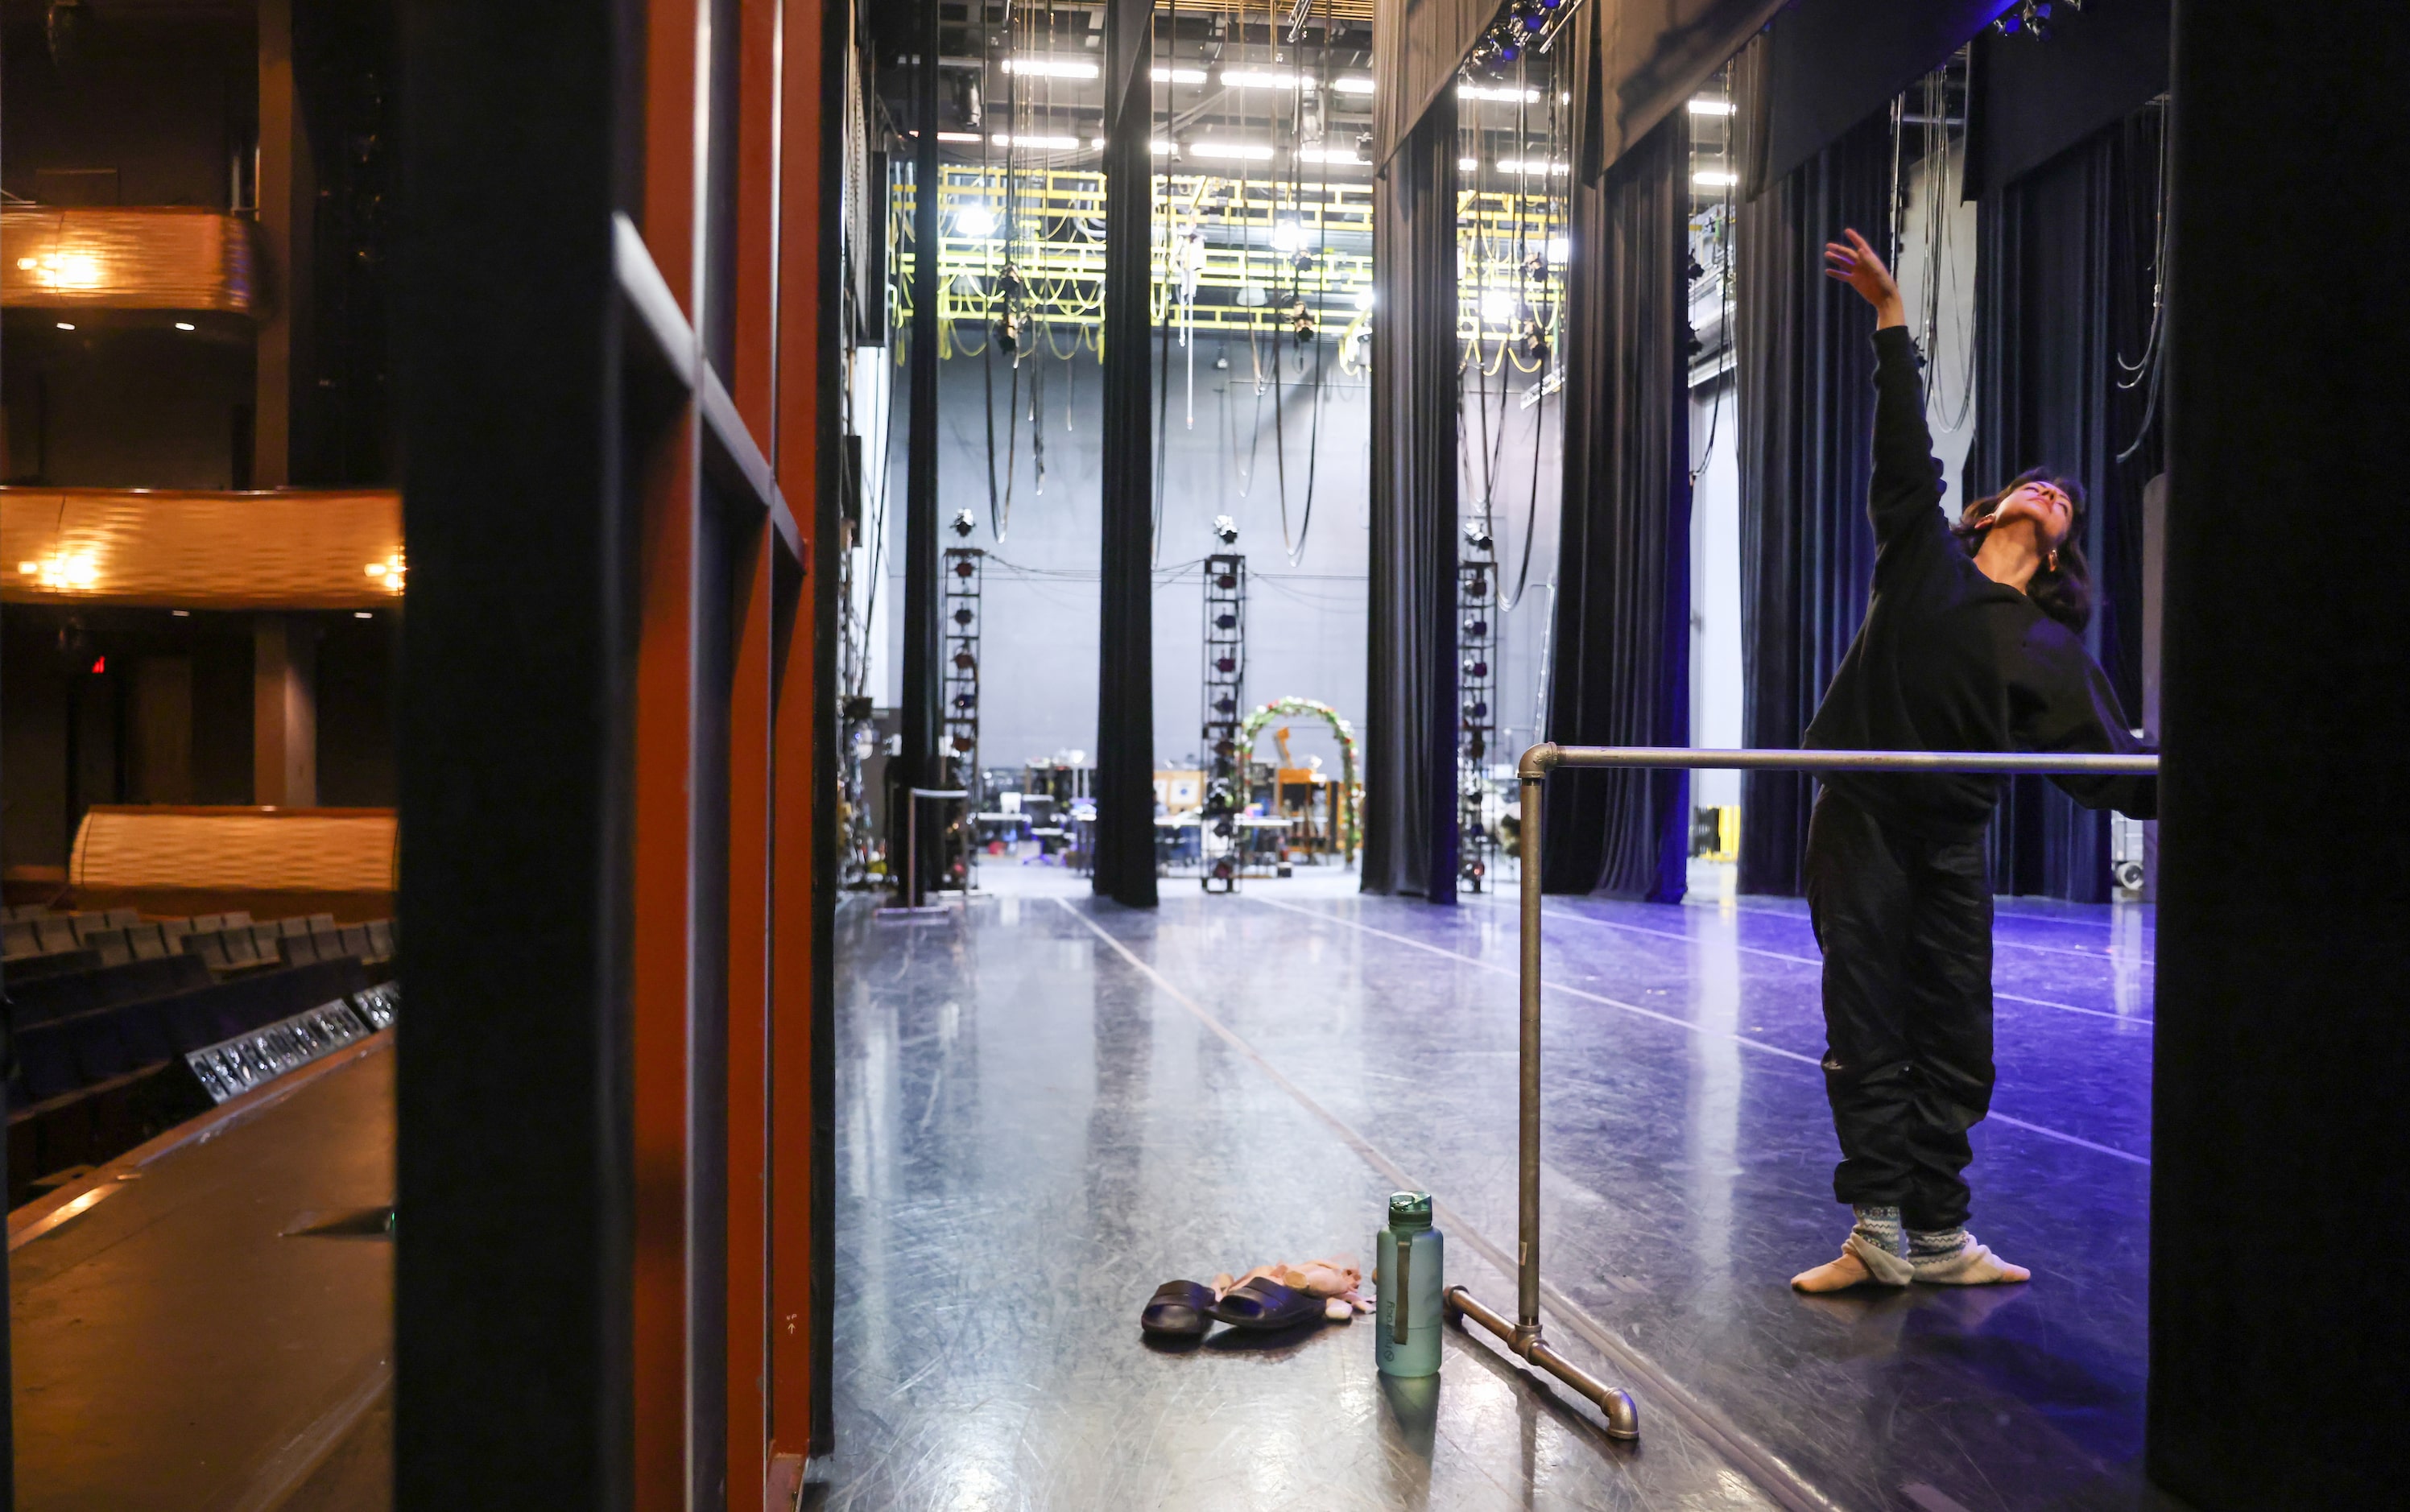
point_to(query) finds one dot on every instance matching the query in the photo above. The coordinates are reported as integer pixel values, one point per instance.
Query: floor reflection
(1035, 1133)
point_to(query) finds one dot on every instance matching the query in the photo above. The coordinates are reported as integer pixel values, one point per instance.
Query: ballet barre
(1523, 1336)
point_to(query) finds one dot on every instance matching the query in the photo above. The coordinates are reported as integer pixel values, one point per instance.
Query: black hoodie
(1949, 660)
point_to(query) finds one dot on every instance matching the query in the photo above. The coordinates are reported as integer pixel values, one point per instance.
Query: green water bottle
(1408, 1272)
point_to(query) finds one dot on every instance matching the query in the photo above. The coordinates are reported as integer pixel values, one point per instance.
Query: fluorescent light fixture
(1500, 91)
(969, 137)
(1329, 155)
(182, 614)
(974, 221)
(1288, 237)
(1704, 106)
(1256, 79)
(362, 614)
(66, 324)
(1466, 165)
(1051, 68)
(1160, 147)
(1560, 251)
(1097, 141)
(1178, 76)
(1248, 151)
(1497, 304)
(185, 324)
(1044, 144)
(1529, 165)
(1351, 84)
(1714, 179)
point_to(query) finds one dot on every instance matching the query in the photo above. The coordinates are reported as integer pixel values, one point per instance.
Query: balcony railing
(162, 258)
(287, 550)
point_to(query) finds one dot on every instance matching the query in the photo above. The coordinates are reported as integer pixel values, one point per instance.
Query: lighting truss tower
(1226, 682)
(1476, 730)
(958, 690)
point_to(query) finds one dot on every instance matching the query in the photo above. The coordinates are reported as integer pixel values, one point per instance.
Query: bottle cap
(1410, 1210)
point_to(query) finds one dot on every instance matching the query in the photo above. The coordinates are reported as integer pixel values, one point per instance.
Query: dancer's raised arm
(1857, 265)
(1906, 490)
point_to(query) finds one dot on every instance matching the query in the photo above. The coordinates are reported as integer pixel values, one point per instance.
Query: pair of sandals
(1184, 1308)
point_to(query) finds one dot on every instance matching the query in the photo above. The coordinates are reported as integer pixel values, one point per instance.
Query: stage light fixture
(1363, 299)
(1467, 165)
(66, 325)
(1714, 179)
(1352, 85)
(1560, 251)
(975, 220)
(1256, 79)
(185, 324)
(1704, 106)
(1497, 304)
(1288, 236)
(1225, 529)
(964, 524)
(1179, 76)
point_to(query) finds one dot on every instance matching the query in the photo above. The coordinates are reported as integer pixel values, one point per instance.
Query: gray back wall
(1307, 633)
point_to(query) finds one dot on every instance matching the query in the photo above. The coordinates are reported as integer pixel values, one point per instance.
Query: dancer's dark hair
(2064, 592)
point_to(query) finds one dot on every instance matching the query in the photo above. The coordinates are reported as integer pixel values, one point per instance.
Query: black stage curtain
(2062, 294)
(2033, 101)
(1123, 863)
(1417, 46)
(1622, 633)
(1410, 727)
(2278, 1115)
(1804, 371)
(1835, 62)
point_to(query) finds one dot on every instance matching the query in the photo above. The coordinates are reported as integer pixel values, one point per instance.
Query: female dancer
(1971, 641)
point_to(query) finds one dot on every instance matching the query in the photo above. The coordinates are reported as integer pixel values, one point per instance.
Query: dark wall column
(287, 192)
(284, 712)
(918, 767)
(2283, 1054)
(1125, 858)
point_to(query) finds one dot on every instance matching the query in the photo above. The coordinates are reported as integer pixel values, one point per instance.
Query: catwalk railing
(1523, 1335)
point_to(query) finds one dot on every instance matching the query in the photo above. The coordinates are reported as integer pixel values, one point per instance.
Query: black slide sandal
(1177, 1307)
(1266, 1305)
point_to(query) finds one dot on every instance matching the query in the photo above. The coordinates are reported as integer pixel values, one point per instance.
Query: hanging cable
(2154, 358)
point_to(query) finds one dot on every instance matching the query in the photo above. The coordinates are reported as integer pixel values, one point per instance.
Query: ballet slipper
(1974, 1265)
(1861, 1264)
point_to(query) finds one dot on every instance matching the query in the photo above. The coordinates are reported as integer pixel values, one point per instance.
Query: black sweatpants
(1906, 926)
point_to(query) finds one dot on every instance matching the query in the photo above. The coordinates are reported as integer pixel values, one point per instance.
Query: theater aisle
(1047, 1106)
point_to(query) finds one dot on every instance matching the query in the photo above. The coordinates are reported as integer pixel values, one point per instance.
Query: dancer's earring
(2054, 559)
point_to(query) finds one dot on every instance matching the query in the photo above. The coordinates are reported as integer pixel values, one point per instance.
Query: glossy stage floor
(1049, 1105)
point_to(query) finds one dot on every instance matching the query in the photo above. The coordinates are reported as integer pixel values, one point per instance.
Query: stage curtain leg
(1410, 728)
(1622, 635)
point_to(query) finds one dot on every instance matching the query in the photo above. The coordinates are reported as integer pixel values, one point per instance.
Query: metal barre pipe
(1542, 759)
(1523, 1336)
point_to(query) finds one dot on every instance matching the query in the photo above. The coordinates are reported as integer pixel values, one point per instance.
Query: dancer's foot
(1970, 1265)
(1860, 1264)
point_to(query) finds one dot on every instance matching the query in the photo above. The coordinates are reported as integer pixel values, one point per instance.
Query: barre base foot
(1622, 1413)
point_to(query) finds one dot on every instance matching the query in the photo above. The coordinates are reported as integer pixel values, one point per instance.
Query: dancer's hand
(1858, 266)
